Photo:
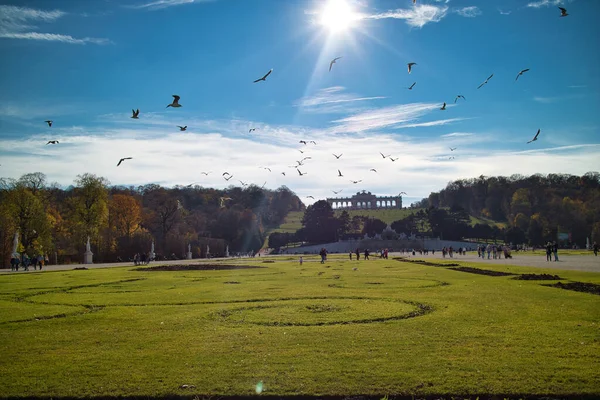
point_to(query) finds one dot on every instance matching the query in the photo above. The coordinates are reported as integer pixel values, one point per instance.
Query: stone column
(189, 252)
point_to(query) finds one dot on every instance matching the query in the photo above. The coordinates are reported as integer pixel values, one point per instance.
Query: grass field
(291, 223)
(389, 327)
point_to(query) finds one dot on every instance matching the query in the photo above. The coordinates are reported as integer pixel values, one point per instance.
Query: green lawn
(291, 223)
(389, 327)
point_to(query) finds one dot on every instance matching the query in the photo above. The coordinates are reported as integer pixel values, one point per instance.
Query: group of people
(26, 262)
(141, 259)
(551, 248)
(493, 251)
(366, 254)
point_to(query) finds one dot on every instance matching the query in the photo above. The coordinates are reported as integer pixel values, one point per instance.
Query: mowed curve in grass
(388, 327)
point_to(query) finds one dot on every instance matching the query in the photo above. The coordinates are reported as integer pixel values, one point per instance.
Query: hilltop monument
(365, 200)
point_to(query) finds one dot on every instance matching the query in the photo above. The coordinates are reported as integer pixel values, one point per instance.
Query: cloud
(457, 134)
(385, 117)
(504, 12)
(431, 123)
(332, 100)
(159, 4)
(417, 16)
(546, 100)
(468, 12)
(544, 3)
(14, 24)
(178, 157)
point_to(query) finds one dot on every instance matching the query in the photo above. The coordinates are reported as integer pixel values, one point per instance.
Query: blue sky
(85, 65)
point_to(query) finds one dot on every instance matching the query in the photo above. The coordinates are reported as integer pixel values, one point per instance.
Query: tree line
(122, 221)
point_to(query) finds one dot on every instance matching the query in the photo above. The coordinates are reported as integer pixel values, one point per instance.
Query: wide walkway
(587, 263)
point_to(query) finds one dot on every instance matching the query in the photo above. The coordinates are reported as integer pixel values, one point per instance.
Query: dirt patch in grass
(80, 269)
(538, 277)
(267, 261)
(478, 271)
(232, 283)
(428, 263)
(373, 283)
(196, 267)
(584, 287)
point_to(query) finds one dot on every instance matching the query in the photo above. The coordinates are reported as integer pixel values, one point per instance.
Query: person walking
(596, 249)
(350, 255)
(357, 254)
(548, 251)
(366, 254)
(555, 250)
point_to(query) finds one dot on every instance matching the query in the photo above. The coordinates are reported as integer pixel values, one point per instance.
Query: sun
(338, 16)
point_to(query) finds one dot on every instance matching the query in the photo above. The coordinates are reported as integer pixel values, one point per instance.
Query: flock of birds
(299, 163)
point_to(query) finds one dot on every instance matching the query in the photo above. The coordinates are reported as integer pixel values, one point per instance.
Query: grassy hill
(293, 220)
(388, 216)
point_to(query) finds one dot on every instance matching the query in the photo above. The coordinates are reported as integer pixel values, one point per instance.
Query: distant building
(365, 200)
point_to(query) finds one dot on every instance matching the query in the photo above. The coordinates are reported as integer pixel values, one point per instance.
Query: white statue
(15, 246)
(189, 247)
(88, 256)
(152, 254)
(189, 252)
(207, 251)
(227, 251)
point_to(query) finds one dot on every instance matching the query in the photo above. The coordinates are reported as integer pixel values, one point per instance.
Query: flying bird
(452, 149)
(535, 137)
(301, 151)
(182, 128)
(310, 197)
(373, 169)
(355, 182)
(175, 102)
(313, 142)
(123, 159)
(299, 164)
(563, 12)
(243, 183)
(303, 141)
(450, 158)
(135, 113)
(412, 86)
(306, 158)
(443, 107)
(410, 66)
(52, 142)
(267, 168)
(486, 81)
(383, 155)
(340, 174)
(338, 157)
(226, 173)
(205, 173)
(521, 73)
(401, 193)
(394, 159)
(336, 192)
(191, 184)
(300, 173)
(333, 62)
(49, 122)
(264, 78)
(460, 96)
(283, 173)
(251, 130)
(228, 177)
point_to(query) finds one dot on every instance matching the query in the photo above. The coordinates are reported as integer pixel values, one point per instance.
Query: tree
(343, 223)
(162, 214)
(515, 235)
(29, 216)
(89, 205)
(373, 226)
(125, 214)
(320, 225)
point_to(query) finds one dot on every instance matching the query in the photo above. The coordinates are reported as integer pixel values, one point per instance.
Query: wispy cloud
(159, 4)
(438, 122)
(457, 134)
(504, 12)
(332, 100)
(417, 16)
(15, 24)
(546, 100)
(386, 117)
(468, 12)
(545, 3)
